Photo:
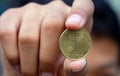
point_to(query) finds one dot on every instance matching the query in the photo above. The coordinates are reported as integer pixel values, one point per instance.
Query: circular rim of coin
(62, 50)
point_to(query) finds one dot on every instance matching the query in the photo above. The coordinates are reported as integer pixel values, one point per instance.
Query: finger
(7, 69)
(47, 74)
(29, 41)
(9, 25)
(80, 12)
(50, 33)
(74, 68)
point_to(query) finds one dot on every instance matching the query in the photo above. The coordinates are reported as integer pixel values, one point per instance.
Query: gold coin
(75, 44)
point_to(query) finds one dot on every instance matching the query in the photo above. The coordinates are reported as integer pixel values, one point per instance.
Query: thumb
(74, 68)
(80, 12)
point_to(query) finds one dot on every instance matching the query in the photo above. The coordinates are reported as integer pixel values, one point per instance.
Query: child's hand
(29, 36)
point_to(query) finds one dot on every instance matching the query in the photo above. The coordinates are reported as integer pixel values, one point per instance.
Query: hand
(29, 36)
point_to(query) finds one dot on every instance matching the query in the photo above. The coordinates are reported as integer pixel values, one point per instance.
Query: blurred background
(115, 5)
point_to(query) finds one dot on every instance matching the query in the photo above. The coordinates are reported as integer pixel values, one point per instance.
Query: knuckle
(58, 3)
(32, 5)
(6, 32)
(11, 10)
(28, 39)
(9, 13)
(31, 10)
(13, 58)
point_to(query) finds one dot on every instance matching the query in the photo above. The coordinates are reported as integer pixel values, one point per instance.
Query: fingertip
(74, 22)
(75, 66)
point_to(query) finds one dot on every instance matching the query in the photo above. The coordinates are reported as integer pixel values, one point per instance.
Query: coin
(75, 44)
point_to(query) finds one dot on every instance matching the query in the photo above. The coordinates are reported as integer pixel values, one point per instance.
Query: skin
(103, 57)
(29, 38)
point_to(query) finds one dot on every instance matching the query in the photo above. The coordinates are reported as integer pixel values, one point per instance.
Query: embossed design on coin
(75, 44)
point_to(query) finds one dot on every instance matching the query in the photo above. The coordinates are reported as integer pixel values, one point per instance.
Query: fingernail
(78, 65)
(74, 20)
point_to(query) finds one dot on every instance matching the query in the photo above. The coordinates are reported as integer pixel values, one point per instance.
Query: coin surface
(75, 44)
